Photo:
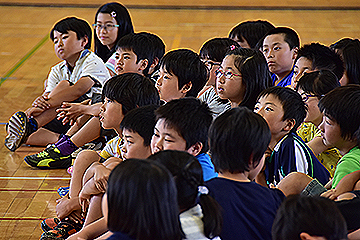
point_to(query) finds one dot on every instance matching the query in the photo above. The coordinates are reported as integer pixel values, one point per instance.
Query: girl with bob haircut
(243, 74)
(141, 202)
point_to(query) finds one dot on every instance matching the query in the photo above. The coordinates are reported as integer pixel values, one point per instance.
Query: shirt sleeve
(110, 64)
(53, 79)
(347, 164)
(95, 69)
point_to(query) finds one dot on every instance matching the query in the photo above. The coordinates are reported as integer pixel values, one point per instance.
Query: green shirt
(349, 163)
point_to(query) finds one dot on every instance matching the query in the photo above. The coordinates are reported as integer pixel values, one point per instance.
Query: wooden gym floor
(26, 54)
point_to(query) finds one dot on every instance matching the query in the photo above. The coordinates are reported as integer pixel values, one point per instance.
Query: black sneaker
(18, 131)
(50, 157)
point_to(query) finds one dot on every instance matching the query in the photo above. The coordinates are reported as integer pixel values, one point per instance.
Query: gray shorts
(314, 188)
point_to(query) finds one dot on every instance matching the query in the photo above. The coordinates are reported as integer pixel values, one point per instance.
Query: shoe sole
(49, 163)
(16, 131)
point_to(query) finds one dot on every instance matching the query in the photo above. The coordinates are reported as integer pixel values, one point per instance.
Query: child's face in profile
(166, 138)
(271, 109)
(67, 46)
(133, 146)
(126, 62)
(168, 86)
(212, 66)
(111, 114)
(331, 133)
(302, 65)
(279, 56)
(313, 113)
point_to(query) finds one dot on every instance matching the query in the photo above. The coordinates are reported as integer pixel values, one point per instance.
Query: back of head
(132, 90)
(293, 105)
(251, 31)
(322, 58)
(290, 36)
(190, 117)
(315, 216)
(236, 137)
(123, 19)
(254, 72)
(187, 67)
(342, 106)
(79, 26)
(157, 44)
(318, 83)
(216, 48)
(141, 120)
(142, 203)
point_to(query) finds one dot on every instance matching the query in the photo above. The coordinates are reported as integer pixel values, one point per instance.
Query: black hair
(316, 216)
(236, 137)
(131, 90)
(188, 176)
(122, 17)
(254, 72)
(141, 45)
(186, 65)
(157, 44)
(79, 26)
(251, 31)
(190, 117)
(290, 36)
(142, 203)
(318, 83)
(142, 121)
(293, 105)
(342, 106)
(216, 48)
(321, 58)
(349, 50)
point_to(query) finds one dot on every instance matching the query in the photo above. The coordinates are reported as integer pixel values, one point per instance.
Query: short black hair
(321, 58)
(342, 106)
(293, 105)
(190, 117)
(157, 44)
(188, 176)
(318, 83)
(142, 121)
(79, 26)
(131, 90)
(316, 216)
(254, 72)
(236, 137)
(141, 45)
(186, 65)
(290, 36)
(251, 31)
(141, 197)
(216, 48)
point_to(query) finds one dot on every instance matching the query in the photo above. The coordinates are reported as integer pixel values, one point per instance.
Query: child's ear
(143, 64)
(154, 63)
(186, 87)
(295, 52)
(289, 124)
(195, 149)
(85, 41)
(306, 236)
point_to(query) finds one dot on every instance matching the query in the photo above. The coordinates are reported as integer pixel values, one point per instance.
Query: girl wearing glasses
(242, 75)
(112, 22)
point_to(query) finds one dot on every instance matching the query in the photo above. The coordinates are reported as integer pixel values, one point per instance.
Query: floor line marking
(26, 190)
(36, 178)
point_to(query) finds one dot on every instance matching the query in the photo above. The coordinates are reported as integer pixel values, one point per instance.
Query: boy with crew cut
(128, 49)
(314, 57)
(238, 140)
(81, 75)
(182, 74)
(284, 111)
(280, 47)
(182, 124)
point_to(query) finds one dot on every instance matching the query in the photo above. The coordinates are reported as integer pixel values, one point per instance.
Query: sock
(67, 147)
(62, 138)
(33, 125)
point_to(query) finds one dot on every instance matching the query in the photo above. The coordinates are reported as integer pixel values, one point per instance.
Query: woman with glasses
(112, 22)
(242, 75)
(313, 86)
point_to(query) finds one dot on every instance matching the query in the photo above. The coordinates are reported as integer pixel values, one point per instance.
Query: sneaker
(49, 224)
(62, 231)
(17, 131)
(50, 157)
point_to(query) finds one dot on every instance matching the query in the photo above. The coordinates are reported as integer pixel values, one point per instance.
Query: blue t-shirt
(207, 166)
(286, 81)
(248, 208)
(291, 154)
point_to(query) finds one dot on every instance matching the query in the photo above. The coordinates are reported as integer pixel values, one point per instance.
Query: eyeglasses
(209, 64)
(306, 97)
(219, 73)
(106, 27)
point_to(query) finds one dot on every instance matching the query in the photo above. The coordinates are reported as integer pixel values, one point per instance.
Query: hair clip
(113, 14)
(232, 47)
(203, 190)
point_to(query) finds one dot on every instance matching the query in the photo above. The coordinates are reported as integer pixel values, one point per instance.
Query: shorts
(314, 188)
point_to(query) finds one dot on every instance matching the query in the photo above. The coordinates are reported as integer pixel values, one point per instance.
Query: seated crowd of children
(255, 137)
